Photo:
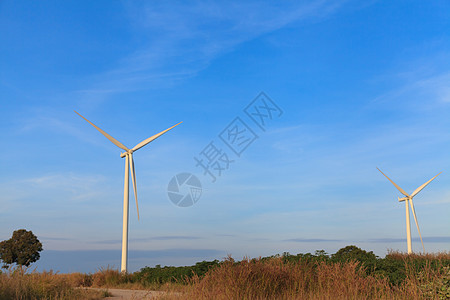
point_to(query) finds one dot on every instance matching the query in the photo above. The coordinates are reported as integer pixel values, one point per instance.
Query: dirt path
(130, 294)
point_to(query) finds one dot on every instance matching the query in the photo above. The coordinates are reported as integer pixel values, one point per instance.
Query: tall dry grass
(275, 279)
(17, 283)
(435, 256)
(427, 274)
(113, 278)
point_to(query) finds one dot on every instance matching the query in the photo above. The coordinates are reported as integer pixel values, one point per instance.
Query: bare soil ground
(130, 294)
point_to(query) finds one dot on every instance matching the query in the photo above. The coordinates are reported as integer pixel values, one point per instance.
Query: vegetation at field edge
(350, 273)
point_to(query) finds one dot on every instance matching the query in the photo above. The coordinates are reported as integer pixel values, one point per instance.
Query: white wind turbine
(408, 198)
(129, 167)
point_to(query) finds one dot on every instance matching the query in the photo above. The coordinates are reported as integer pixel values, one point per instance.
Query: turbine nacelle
(402, 199)
(123, 154)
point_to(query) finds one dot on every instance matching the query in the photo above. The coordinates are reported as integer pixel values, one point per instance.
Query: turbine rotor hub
(123, 154)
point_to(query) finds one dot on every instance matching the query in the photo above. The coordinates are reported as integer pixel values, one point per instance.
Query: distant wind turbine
(406, 199)
(129, 167)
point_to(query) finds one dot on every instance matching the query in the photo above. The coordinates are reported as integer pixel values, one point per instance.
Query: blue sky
(360, 85)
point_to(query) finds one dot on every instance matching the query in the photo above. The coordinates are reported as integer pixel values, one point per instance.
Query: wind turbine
(408, 198)
(129, 167)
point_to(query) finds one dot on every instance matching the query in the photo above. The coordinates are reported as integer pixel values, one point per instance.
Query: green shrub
(166, 274)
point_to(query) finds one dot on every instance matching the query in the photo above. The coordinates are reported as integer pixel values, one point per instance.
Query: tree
(367, 259)
(22, 249)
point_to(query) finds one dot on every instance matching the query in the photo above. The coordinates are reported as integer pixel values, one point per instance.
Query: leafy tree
(367, 259)
(321, 255)
(22, 249)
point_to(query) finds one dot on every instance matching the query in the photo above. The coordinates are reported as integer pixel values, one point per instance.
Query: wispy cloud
(420, 90)
(165, 238)
(46, 238)
(300, 240)
(226, 235)
(92, 260)
(183, 38)
(155, 238)
(429, 239)
(62, 191)
(76, 187)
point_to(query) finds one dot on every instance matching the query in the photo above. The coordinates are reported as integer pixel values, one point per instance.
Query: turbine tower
(408, 198)
(129, 168)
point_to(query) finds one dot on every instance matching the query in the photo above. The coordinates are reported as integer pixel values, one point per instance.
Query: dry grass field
(398, 276)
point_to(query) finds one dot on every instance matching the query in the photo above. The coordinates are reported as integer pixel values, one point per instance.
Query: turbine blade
(398, 188)
(133, 178)
(423, 185)
(113, 140)
(417, 224)
(146, 141)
